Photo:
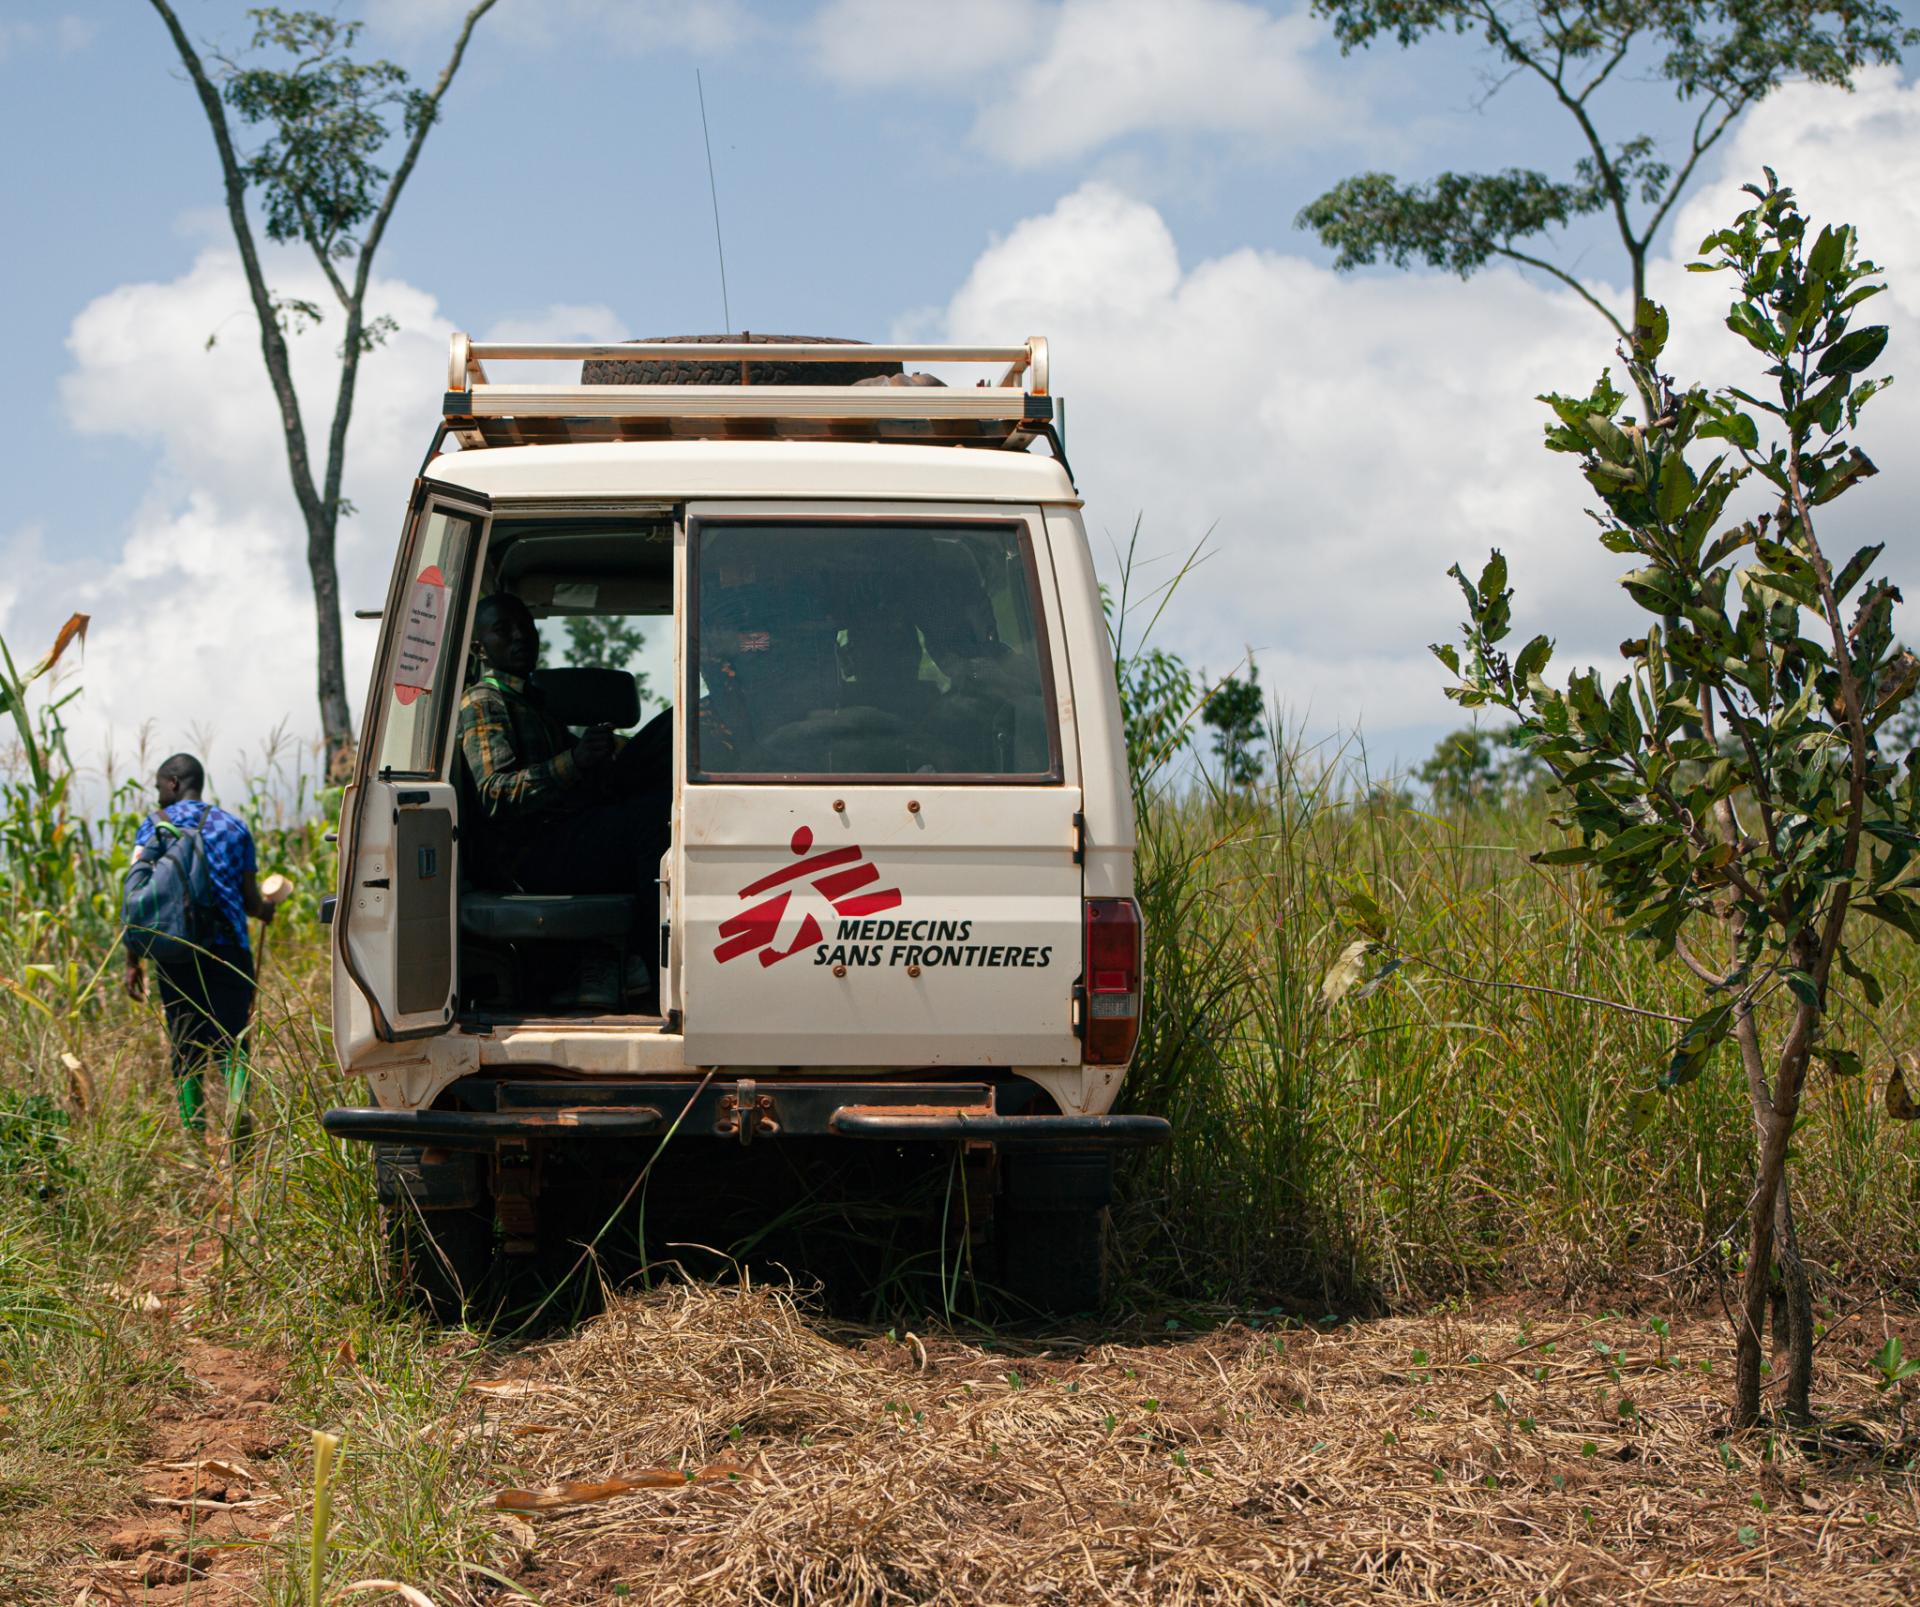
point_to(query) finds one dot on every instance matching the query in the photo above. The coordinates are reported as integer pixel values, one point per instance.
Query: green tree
(610, 641)
(1730, 794)
(1236, 710)
(1476, 765)
(1463, 770)
(1719, 56)
(318, 181)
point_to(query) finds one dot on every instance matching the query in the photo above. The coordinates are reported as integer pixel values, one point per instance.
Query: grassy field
(1420, 1303)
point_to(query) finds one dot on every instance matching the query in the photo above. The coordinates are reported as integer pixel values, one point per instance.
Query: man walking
(208, 998)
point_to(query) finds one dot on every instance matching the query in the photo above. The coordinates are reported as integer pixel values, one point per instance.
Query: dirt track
(770, 1459)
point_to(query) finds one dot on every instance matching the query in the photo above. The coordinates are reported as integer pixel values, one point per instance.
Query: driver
(565, 813)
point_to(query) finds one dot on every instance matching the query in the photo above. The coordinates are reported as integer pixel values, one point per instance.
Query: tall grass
(1453, 1127)
(1449, 1132)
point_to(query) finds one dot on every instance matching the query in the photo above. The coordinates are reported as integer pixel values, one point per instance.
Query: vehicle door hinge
(1079, 837)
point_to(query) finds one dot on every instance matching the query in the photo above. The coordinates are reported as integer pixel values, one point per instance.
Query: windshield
(868, 650)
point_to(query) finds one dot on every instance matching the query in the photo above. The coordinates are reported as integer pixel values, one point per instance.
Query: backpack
(167, 902)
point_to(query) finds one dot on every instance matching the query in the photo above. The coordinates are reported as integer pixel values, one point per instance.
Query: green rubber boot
(193, 1102)
(237, 1070)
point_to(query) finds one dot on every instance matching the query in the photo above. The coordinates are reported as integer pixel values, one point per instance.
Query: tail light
(1112, 981)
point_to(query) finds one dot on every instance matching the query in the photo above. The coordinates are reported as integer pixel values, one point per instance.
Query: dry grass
(1456, 1458)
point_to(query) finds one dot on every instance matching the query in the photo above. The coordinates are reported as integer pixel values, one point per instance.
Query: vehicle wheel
(1053, 1225)
(443, 1258)
(439, 1224)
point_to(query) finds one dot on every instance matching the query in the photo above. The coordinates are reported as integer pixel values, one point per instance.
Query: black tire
(1054, 1226)
(608, 371)
(444, 1259)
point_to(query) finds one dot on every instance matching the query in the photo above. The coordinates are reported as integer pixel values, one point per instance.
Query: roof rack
(1010, 413)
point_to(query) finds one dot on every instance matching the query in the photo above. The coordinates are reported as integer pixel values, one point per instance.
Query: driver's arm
(507, 785)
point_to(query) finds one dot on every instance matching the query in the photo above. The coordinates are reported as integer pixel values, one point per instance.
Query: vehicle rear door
(876, 849)
(396, 919)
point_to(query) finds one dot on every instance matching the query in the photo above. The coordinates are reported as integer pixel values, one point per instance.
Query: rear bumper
(494, 1114)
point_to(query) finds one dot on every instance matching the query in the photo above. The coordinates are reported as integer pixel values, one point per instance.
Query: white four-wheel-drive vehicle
(893, 897)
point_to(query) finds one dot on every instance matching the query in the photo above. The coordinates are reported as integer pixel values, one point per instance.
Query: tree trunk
(1757, 1284)
(1796, 1305)
(336, 720)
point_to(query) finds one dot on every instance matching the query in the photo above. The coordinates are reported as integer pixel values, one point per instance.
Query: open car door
(396, 923)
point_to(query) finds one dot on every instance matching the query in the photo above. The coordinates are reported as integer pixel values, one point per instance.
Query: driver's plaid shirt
(521, 757)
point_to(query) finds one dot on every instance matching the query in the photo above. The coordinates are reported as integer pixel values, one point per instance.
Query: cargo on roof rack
(1009, 414)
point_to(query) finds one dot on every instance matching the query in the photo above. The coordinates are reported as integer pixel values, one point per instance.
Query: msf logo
(842, 876)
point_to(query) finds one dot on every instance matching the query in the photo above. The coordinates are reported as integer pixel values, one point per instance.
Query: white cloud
(203, 620)
(1347, 439)
(563, 321)
(628, 26)
(893, 43)
(65, 33)
(1054, 82)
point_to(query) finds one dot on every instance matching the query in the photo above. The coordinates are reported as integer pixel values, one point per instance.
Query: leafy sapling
(1729, 795)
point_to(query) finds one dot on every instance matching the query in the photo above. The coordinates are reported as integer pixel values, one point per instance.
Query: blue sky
(1120, 175)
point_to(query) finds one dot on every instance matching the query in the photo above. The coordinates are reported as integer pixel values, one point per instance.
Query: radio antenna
(713, 189)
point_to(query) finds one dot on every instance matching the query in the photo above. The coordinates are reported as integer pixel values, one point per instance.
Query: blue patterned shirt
(229, 848)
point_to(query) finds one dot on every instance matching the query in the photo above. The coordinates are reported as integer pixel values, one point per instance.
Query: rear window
(868, 651)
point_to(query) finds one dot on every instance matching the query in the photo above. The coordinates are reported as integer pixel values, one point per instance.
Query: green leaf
(1856, 350)
(1896, 912)
(1649, 330)
(1733, 426)
(1655, 589)
(1676, 488)
(1869, 983)
(1493, 578)
(1856, 568)
(1892, 1364)
(1850, 470)
(1447, 653)
(1532, 660)
(1802, 987)
(1828, 252)
(1839, 1062)
(1607, 436)
(1696, 1044)
(1365, 913)
(1640, 1108)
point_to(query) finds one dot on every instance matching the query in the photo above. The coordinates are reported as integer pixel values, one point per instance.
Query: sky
(1121, 176)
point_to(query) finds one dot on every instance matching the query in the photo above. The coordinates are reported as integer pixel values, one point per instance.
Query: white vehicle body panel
(972, 958)
(1007, 863)
(691, 471)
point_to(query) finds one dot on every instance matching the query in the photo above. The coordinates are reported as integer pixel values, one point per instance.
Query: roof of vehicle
(678, 471)
(677, 405)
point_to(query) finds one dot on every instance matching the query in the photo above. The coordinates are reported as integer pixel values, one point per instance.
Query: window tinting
(868, 650)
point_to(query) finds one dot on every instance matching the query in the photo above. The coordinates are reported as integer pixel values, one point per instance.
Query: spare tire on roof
(618, 371)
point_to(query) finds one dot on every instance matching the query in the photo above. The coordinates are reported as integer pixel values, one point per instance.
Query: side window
(421, 673)
(875, 650)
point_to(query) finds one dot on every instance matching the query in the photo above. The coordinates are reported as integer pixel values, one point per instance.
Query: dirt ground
(717, 1445)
